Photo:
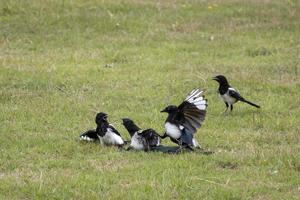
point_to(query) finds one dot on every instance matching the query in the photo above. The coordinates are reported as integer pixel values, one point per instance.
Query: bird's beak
(123, 121)
(164, 110)
(215, 78)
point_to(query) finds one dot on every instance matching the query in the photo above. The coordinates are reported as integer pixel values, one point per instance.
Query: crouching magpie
(183, 121)
(143, 140)
(106, 133)
(229, 95)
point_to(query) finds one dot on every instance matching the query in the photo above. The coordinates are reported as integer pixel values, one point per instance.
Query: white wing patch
(111, 125)
(86, 138)
(232, 89)
(181, 127)
(196, 98)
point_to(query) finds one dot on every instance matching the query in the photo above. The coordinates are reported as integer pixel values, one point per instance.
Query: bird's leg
(180, 145)
(147, 148)
(196, 144)
(226, 107)
(164, 136)
(174, 140)
(189, 148)
(231, 107)
(101, 141)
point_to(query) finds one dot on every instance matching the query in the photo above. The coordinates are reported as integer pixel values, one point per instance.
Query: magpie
(229, 95)
(106, 133)
(184, 120)
(143, 140)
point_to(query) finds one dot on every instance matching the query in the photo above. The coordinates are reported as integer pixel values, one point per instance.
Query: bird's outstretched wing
(192, 111)
(233, 93)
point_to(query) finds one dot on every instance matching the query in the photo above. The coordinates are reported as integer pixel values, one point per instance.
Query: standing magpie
(107, 134)
(141, 139)
(183, 121)
(229, 95)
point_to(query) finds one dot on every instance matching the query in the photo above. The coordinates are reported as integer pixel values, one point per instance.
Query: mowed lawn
(63, 61)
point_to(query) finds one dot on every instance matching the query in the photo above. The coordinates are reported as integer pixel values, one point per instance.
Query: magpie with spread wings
(184, 120)
(228, 94)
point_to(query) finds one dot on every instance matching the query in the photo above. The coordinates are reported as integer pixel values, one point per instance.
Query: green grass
(61, 61)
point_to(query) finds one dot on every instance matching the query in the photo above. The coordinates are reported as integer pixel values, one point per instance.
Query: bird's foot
(189, 148)
(204, 151)
(179, 150)
(199, 148)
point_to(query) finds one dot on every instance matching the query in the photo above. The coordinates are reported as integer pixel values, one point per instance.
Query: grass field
(62, 61)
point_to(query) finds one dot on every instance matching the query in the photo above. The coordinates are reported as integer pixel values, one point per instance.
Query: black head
(221, 80)
(127, 121)
(130, 126)
(170, 109)
(101, 117)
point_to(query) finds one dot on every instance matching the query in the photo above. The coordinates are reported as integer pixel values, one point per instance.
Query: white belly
(136, 142)
(172, 130)
(110, 138)
(228, 99)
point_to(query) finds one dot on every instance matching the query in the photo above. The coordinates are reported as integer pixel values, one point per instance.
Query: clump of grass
(258, 52)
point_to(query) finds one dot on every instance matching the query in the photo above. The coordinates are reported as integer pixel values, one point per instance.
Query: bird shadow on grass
(158, 149)
(178, 150)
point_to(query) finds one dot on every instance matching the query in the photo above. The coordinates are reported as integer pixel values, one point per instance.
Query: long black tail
(250, 103)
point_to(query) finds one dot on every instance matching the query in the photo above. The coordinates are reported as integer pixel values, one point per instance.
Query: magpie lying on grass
(107, 134)
(183, 121)
(143, 140)
(229, 95)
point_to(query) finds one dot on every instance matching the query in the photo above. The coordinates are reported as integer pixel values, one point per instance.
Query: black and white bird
(230, 95)
(106, 133)
(143, 140)
(184, 120)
